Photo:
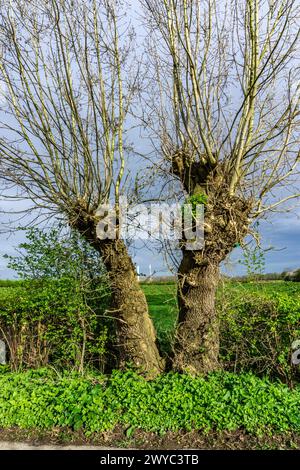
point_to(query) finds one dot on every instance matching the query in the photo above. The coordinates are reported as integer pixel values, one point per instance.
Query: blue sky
(282, 234)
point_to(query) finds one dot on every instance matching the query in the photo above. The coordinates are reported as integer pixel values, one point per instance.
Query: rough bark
(135, 332)
(136, 336)
(225, 225)
(197, 340)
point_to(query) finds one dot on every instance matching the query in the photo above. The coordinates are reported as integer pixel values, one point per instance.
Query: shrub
(258, 327)
(97, 403)
(56, 314)
(51, 322)
(55, 254)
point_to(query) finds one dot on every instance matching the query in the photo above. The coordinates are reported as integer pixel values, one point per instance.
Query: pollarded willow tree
(70, 76)
(226, 114)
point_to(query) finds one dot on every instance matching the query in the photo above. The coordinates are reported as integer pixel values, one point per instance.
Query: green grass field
(163, 305)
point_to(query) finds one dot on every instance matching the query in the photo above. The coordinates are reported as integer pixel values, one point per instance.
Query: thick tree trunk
(197, 341)
(136, 336)
(226, 223)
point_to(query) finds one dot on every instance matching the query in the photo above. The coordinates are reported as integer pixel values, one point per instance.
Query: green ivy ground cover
(95, 403)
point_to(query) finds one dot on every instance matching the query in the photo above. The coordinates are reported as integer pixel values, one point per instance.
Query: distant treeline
(10, 282)
(284, 276)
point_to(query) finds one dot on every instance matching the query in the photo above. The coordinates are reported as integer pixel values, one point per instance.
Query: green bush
(50, 322)
(56, 313)
(259, 321)
(97, 403)
(258, 326)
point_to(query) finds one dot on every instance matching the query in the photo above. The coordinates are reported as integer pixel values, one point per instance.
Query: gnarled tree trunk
(197, 340)
(136, 336)
(226, 223)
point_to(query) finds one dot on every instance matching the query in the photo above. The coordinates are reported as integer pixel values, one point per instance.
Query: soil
(236, 440)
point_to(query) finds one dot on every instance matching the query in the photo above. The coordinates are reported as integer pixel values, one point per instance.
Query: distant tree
(54, 254)
(292, 275)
